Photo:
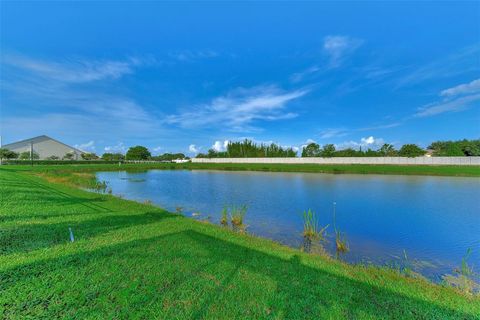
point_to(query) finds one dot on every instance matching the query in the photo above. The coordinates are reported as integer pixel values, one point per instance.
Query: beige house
(45, 147)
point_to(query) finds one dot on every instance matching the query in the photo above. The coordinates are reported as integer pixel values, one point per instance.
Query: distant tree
(311, 150)
(113, 156)
(387, 150)
(69, 156)
(411, 151)
(26, 155)
(456, 148)
(138, 153)
(349, 152)
(471, 150)
(7, 154)
(169, 157)
(89, 156)
(52, 158)
(328, 151)
(371, 153)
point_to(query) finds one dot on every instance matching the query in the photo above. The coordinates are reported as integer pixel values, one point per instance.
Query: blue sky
(183, 77)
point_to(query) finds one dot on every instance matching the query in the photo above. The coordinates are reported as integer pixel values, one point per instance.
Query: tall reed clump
(463, 280)
(237, 213)
(234, 214)
(224, 217)
(311, 230)
(102, 187)
(341, 244)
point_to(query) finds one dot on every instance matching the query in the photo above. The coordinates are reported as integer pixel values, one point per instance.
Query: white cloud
(118, 148)
(220, 146)
(240, 108)
(366, 142)
(466, 88)
(157, 149)
(193, 148)
(87, 146)
(338, 47)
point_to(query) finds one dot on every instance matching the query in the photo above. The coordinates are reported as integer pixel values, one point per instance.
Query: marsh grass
(463, 277)
(237, 213)
(341, 243)
(311, 230)
(224, 217)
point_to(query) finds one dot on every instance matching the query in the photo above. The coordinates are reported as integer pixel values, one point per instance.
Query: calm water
(434, 219)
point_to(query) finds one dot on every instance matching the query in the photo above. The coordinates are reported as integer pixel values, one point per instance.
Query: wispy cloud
(73, 70)
(240, 108)
(339, 47)
(333, 133)
(118, 148)
(461, 62)
(454, 105)
(455, 99)
(191, 55)
(381, 126)
(71, 93)
(466, 88)
(299, 76)
(87, 146)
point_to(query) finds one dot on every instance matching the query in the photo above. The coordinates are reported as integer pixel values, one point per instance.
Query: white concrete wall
(463, 161)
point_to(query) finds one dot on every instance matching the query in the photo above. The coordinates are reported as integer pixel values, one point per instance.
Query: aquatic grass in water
(237, 214)
(463, 280)
(224, 217)
(341, 244)
(311, 230)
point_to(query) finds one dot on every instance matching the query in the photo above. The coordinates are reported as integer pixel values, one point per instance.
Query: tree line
(133, 153)
(249, 149)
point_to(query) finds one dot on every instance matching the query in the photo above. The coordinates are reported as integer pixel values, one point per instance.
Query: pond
(432, 221)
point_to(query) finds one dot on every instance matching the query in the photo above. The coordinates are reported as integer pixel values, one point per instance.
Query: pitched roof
(45, 137)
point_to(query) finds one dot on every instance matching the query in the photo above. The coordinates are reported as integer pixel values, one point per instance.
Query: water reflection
(434, 219)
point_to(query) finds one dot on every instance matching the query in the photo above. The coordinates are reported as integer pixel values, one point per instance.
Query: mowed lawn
(136, 261)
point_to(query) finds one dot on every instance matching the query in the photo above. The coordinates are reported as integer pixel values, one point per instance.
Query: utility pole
(31, 153)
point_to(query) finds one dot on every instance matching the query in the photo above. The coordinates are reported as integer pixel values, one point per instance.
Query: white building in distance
(45, 147)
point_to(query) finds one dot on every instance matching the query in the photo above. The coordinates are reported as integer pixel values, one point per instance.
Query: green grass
(465, 171)
(133, 260)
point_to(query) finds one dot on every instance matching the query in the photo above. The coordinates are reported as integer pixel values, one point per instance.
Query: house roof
(42, 137)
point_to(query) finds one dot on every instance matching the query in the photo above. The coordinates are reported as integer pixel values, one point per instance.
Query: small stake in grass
(72, 239)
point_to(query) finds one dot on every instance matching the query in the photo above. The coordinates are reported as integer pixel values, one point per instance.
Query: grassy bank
(131, 260)
(465, 171)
